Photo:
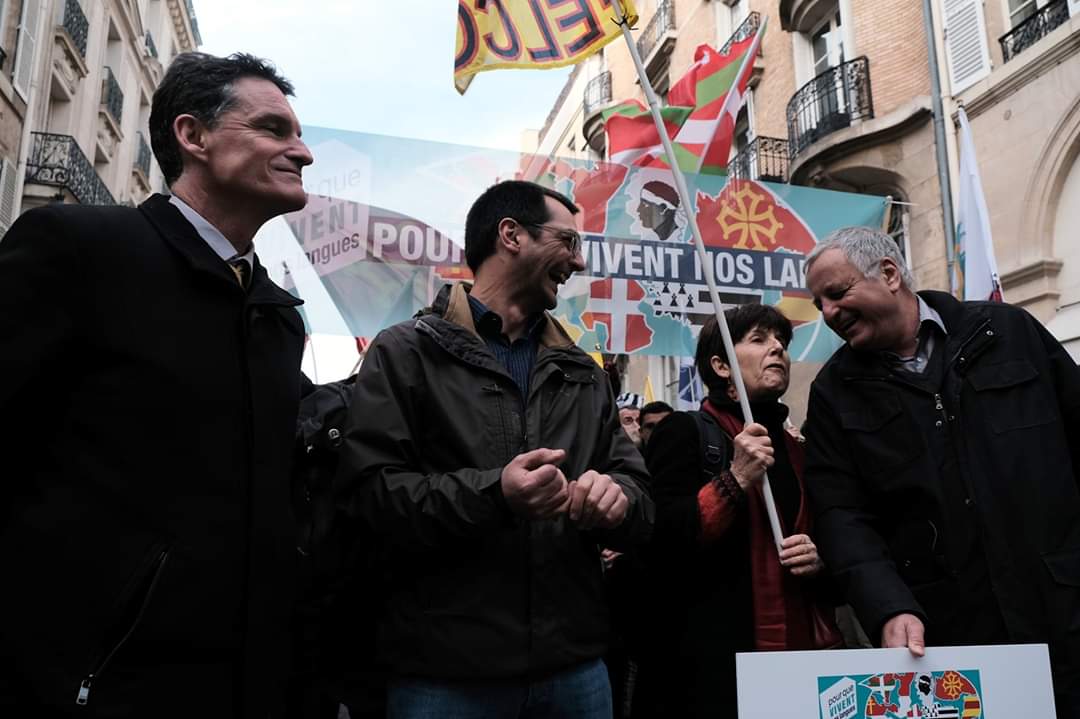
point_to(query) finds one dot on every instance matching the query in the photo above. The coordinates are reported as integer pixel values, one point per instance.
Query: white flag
(975, 273)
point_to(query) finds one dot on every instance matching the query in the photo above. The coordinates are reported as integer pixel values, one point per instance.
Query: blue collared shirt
(519, 356)
(212, 235)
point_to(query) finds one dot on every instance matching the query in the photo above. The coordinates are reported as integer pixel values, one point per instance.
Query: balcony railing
(598, 92)
(829, 102)
(111, 95)
(747, 29)
(1035, 28)
(76, 25)
(663, 21)
(766, 159)
(142, 159)
(150, 46)
(58, 160)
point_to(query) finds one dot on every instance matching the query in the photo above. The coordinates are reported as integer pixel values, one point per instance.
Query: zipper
(959, 357)
(83, 697)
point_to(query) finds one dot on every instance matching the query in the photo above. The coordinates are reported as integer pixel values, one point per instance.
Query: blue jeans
(582, 692)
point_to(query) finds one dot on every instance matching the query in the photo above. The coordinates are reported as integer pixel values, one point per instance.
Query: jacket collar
(961, 320)
(452, 303)
(457, 331)
(183, 238)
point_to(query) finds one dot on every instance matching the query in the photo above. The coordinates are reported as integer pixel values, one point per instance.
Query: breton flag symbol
(613, 302)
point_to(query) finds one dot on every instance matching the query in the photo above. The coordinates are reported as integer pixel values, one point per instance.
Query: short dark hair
(741, 320)
(656, 408)
(517, 199)
(201, 85)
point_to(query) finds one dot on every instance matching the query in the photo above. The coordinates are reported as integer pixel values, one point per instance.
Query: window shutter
(965, 43)
(8, 185)
(24, 49)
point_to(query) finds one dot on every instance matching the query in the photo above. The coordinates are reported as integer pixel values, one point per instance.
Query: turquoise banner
(384, 227)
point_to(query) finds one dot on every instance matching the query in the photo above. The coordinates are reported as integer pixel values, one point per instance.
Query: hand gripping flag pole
(699, 245)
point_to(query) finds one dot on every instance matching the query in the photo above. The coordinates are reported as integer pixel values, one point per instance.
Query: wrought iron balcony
(829, 102)
(111, 95)
(150, 46)
(765, 159)
(76, 25)
(142, 158)
(1035, 28)
(598, 92)
(662, 23)
(746, 29)
(57, 160)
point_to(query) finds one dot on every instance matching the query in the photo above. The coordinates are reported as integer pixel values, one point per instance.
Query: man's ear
(190, 135)
(890, 274)
(720, 367)
(507, 235)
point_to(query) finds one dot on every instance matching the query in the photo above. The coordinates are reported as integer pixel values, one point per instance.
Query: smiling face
(764, 363)
(864, 311)
(254, 155)
(546, 259)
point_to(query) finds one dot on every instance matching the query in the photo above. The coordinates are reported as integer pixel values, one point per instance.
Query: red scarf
(787, 614)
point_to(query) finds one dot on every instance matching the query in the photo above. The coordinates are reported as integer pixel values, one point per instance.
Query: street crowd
(487, 527)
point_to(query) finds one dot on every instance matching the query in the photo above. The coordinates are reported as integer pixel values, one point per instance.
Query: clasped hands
(535, 488)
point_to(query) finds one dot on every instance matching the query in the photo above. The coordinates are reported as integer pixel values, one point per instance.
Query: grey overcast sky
(382, 67)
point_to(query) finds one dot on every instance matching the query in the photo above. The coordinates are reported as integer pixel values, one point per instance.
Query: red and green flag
(632, 134)
(703, 143)
(700, 117)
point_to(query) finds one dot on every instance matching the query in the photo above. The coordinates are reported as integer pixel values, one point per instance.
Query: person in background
(651, 415)
(148, 405)
(629, 405)
(718, 584)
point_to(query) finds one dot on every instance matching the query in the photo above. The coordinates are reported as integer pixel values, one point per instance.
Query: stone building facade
(83, 76)
(1020, 88)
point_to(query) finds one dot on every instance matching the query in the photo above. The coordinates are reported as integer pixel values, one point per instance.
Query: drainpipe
(939, 142)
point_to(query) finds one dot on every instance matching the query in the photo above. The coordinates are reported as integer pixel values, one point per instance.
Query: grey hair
(865, 248)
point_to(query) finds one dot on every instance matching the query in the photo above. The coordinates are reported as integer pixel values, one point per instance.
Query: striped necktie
(242, 270)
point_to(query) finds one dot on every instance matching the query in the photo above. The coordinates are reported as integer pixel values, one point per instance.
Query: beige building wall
(1025, 122)
(98, 64)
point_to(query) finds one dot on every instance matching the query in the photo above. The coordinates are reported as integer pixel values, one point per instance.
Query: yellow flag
(493, 34)
(649, 396)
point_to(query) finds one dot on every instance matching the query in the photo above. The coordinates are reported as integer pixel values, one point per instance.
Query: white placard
(985, 682)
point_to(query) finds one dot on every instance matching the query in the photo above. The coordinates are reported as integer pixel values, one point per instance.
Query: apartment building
(843, 98)
(81, 83)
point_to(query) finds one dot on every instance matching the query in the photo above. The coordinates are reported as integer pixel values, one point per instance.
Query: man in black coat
(943, 455)
(149, 385)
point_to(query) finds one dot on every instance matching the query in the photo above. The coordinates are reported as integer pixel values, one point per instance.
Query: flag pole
(699, 245)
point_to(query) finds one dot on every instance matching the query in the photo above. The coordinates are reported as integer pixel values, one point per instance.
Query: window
(1020, 10)
(827, 45)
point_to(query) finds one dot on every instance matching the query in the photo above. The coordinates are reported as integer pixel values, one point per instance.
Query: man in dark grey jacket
(942, 460)
(484, 451)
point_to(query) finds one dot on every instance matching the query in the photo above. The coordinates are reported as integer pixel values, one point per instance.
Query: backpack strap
(713, 443)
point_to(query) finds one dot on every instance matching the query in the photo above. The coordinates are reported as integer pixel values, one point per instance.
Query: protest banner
(982, 682)
(384, 225)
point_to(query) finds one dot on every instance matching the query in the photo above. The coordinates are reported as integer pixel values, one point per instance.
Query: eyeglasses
(570, 238)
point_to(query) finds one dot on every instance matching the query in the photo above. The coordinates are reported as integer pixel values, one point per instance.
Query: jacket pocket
(883, 436)
(1064, 566)
(1011, 395)
(131, 606)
